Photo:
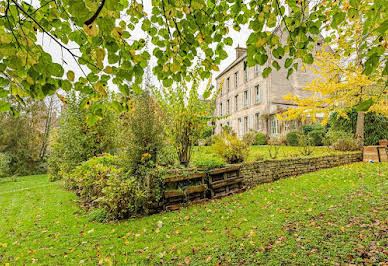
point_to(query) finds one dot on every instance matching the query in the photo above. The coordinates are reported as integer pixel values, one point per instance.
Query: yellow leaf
(117, 32)
(91, 30)
(70, 75)
(215, 68)
(63, 99)
(108, 70)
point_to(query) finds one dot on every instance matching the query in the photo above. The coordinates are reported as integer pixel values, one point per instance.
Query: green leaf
(70, 75)
(228, 41)
(314, 30)
(371, 64)
(262, 59)
(4, 106)
(276, 65)
(266, 72)
(167, 82)
(289, 73)
(3, 82)
(383, 27)
(308, 59)
(364, 106)
(288, 62)
(385, 70)
(146, 25)
(338, 18)
(3, 93)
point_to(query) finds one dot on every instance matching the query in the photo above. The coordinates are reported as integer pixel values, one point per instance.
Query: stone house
(250, 102)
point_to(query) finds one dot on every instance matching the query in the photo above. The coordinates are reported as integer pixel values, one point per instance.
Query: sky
(239, 39)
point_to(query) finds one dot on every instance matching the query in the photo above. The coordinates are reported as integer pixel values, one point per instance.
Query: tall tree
(340, 85)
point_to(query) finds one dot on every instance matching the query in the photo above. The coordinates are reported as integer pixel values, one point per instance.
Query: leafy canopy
(101, 37)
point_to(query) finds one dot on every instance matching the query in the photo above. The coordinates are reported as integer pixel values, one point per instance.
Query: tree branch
(93, 18)
(55, 39)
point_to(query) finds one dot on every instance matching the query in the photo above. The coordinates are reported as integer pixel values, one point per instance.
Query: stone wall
(271, 170)
(217, 183)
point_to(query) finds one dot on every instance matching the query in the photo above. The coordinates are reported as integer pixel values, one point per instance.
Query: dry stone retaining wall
(222, 182)
(268, 171)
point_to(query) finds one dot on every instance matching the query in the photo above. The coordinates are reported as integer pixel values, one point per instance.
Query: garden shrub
(142, 132)
(101, 184)
(150, 181)
(5, 161)
(306, 143)
(207, 132)
(293, 138)
(75, 141)
(347, 143)
(209, 141)
(316, 136)
(260, 139)
(210, 163)
(230, 148)
(249, 138)
(306, 129)
(375, 126)
(333, 135)
(277, 139)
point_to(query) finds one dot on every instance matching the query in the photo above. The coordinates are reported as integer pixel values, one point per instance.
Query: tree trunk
(360, 127)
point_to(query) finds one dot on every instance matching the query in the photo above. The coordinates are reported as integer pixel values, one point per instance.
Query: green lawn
(336, 215)
(262, 152)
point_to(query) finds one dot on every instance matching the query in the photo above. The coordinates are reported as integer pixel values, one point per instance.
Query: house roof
(244, 55)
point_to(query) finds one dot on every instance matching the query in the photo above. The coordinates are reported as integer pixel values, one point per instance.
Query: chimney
(240, 51)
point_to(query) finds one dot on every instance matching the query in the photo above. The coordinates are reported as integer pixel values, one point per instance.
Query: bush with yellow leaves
(230, 148)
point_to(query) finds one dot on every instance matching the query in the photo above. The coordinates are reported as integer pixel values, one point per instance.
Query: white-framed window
(257, 70)
(246, 124)
(228, 107)
(274, 125)
(220, 109)
(258, 124)
(236, 79)
(246, 98)
(240, 127)
(258, 94)
(228, 84)
(290, 125)
(236, 102)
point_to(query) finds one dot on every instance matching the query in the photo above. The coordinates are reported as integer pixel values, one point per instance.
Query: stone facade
(250, 102)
